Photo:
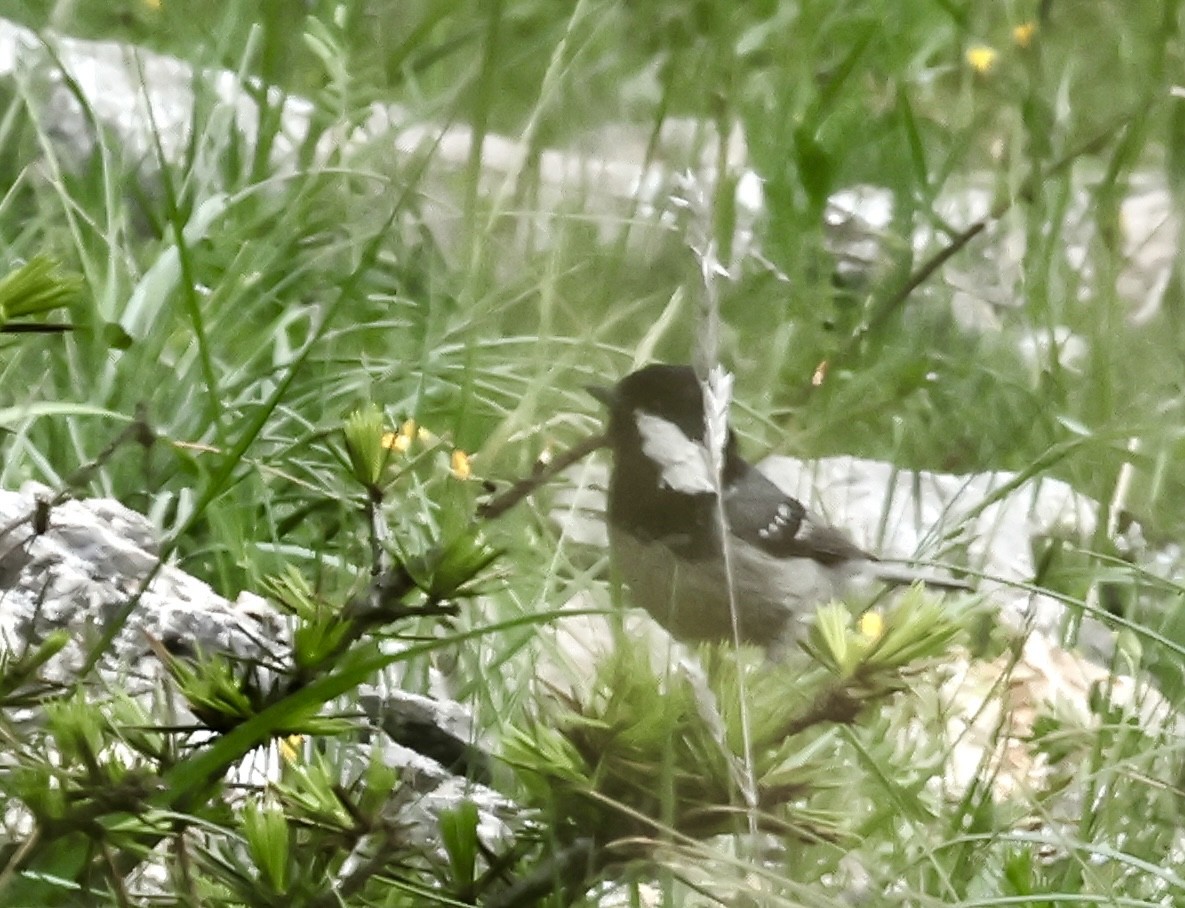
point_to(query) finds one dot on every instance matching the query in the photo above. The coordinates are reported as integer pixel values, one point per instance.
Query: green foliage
(245, 300)
(35, 289)
(745, 746)
(458, 834)
(103, 784)
(450, 572)
(265, 831)
(364, 431)
(19, 671)
(920, 628)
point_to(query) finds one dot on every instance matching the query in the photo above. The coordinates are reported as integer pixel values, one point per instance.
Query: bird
(670, 511)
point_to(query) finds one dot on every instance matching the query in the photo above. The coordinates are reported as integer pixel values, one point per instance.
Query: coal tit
(665, 524)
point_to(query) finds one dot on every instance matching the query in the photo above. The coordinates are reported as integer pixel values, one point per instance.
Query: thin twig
(960, 240)
(500, 504)
(833, 705)
(379, 559)
(568, 872)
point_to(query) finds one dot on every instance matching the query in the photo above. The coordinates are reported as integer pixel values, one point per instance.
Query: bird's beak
(607, 396)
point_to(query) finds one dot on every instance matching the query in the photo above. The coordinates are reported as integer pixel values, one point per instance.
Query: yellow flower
(289, 747)
(459, 464)
(872, 625)
(820, 374)
(1023, 33)
(153, 4)
(982, 58)
(400, 441)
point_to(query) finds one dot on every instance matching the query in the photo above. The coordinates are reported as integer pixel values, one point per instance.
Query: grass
(249, 311)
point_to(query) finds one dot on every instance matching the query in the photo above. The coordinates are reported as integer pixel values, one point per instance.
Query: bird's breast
(695, 599)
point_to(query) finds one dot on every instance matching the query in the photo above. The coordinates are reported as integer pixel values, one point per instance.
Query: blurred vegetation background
(1046, 108)
(249, 308)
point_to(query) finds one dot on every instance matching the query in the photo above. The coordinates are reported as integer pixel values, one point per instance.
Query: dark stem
(500, 504)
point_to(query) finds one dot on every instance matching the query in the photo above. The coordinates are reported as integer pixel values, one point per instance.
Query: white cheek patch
(683, 462)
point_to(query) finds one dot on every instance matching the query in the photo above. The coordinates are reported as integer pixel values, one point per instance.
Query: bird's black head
(669, 392)
(663, 485)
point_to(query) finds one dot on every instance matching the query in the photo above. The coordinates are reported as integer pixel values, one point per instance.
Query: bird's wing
(766, 517)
